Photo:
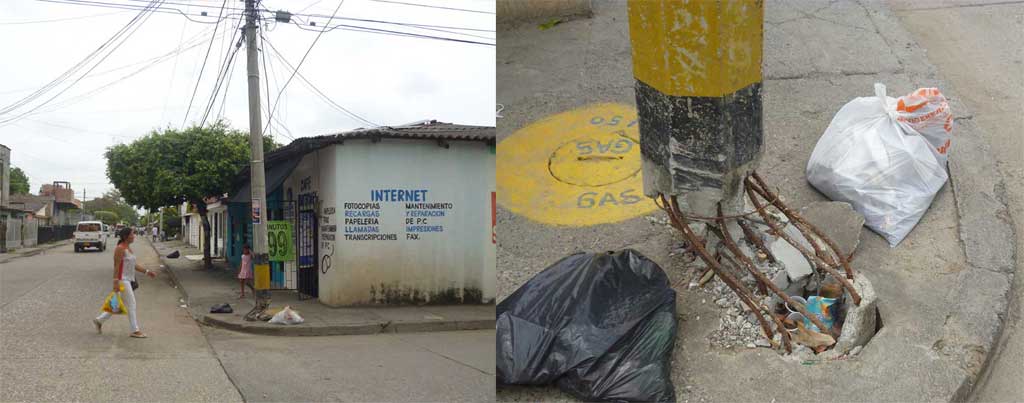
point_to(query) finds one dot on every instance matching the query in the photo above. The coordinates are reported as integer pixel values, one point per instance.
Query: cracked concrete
(939, 328)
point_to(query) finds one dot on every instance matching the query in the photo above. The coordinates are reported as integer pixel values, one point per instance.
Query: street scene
(249, 200)
(603, 107)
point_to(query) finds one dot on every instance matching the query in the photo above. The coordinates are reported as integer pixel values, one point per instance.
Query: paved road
(978, 46)
(51, 352)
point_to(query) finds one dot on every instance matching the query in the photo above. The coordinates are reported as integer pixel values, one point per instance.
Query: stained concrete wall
(375, 249)
(510, 11)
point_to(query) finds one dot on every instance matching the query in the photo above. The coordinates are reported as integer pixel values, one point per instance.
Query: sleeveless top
(127, 269)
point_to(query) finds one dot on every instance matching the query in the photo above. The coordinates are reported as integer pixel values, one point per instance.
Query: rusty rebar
(755, 239)
(761, 278)
(770, 314)
(815, 261)
(798, 218)
(680, 223)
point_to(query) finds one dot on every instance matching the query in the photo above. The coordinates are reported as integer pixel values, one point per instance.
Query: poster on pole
(255, 211)
(279, 241)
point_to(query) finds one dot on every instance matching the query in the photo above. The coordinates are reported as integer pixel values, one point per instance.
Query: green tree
(113, 202)
(19, 181)
(107, 217)
(168, 167)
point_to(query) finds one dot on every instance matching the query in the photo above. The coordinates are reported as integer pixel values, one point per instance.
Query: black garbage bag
(601, 325)
(174, 255)
(221, 308)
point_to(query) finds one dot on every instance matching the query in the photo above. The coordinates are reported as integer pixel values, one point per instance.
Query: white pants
(129, 303)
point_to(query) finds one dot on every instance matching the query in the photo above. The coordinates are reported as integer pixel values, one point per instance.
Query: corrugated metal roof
(425, 130)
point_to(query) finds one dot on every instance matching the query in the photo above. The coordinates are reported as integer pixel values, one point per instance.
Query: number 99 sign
(279, 241)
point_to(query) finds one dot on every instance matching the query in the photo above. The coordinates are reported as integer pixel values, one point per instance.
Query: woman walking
(124, 274)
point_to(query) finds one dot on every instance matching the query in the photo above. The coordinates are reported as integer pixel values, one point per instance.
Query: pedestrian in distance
(156, 233)
(125, 267)
(245, 269)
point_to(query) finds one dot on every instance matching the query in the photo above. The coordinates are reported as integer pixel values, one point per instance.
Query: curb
(350, 330)
(364, 328)
(38, 250)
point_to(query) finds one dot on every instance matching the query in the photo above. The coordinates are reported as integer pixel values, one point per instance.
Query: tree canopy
(107, 217)
(19, 181)
(172, 166)
(111, 201)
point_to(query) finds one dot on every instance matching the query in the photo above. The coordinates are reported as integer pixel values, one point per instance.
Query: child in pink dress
(245, 269)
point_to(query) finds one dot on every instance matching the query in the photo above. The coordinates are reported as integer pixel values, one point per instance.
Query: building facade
(396, 215)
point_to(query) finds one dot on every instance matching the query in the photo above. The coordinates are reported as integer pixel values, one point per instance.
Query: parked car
(90, 234)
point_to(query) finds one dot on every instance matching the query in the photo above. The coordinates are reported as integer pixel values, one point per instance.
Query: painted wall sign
(280, 245)
(576, 168)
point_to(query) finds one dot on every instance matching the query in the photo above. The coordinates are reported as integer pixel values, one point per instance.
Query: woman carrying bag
(124, 275)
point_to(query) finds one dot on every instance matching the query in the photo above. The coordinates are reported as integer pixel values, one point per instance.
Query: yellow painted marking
(697, 48)
(576, 168)
(261, 280)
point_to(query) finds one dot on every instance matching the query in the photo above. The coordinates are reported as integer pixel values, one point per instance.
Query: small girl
(245, 270)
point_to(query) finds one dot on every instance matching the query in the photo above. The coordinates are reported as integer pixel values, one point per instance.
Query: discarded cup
(790, 323)
(799, 300)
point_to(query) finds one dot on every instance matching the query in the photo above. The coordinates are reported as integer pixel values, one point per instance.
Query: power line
(405, 24)
(125, 32)
(417, 26)
(432, 6)
(58, 19)
(108, 85)
(122, 6)
(304, 58)
(357, 28)
(203, 67)
(316, 90)
(226, 65)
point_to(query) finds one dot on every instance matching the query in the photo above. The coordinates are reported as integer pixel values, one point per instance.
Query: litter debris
(601, 325)
(174, 255)
(287, 316)
(221, 308)
(886, 157)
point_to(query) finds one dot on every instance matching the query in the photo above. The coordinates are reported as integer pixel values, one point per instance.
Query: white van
(90, 234)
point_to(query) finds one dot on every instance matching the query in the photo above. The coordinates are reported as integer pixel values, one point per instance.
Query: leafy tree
(107, 217)
(19, 181)
(170, 166)
(113, 202)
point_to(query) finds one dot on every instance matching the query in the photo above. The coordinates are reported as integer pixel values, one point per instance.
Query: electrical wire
(308, 50)
(125, 32)
(420, 27)
(122, 6)
(108, 85)
(203, 67)
(73, 69)
(404, 24)
(316, 90)
(229, 59)
(344, 27)
(58, 19)
(432, 6)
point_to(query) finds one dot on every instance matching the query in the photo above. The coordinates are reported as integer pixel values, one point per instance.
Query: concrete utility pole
(258, 182)
(697, 67)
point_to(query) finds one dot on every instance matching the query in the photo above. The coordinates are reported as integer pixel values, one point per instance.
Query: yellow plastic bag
(114, 303)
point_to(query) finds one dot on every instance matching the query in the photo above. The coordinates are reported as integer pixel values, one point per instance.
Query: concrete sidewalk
(943, 292)
(32, 250)
(202, 289)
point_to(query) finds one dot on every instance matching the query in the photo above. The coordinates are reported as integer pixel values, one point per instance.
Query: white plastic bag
(286, 317)
(886, 157)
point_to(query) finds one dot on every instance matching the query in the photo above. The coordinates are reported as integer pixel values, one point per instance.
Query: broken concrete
(838, 221)
(797, 267)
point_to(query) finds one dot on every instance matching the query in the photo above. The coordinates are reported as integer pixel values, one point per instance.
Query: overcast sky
(385, 79)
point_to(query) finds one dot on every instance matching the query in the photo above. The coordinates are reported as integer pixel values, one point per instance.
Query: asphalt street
(50, 351)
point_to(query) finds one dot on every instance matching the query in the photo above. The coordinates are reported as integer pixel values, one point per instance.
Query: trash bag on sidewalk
(287, 317)
(601, 325)
(886, 157)
(221, 308)
(114, 304)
